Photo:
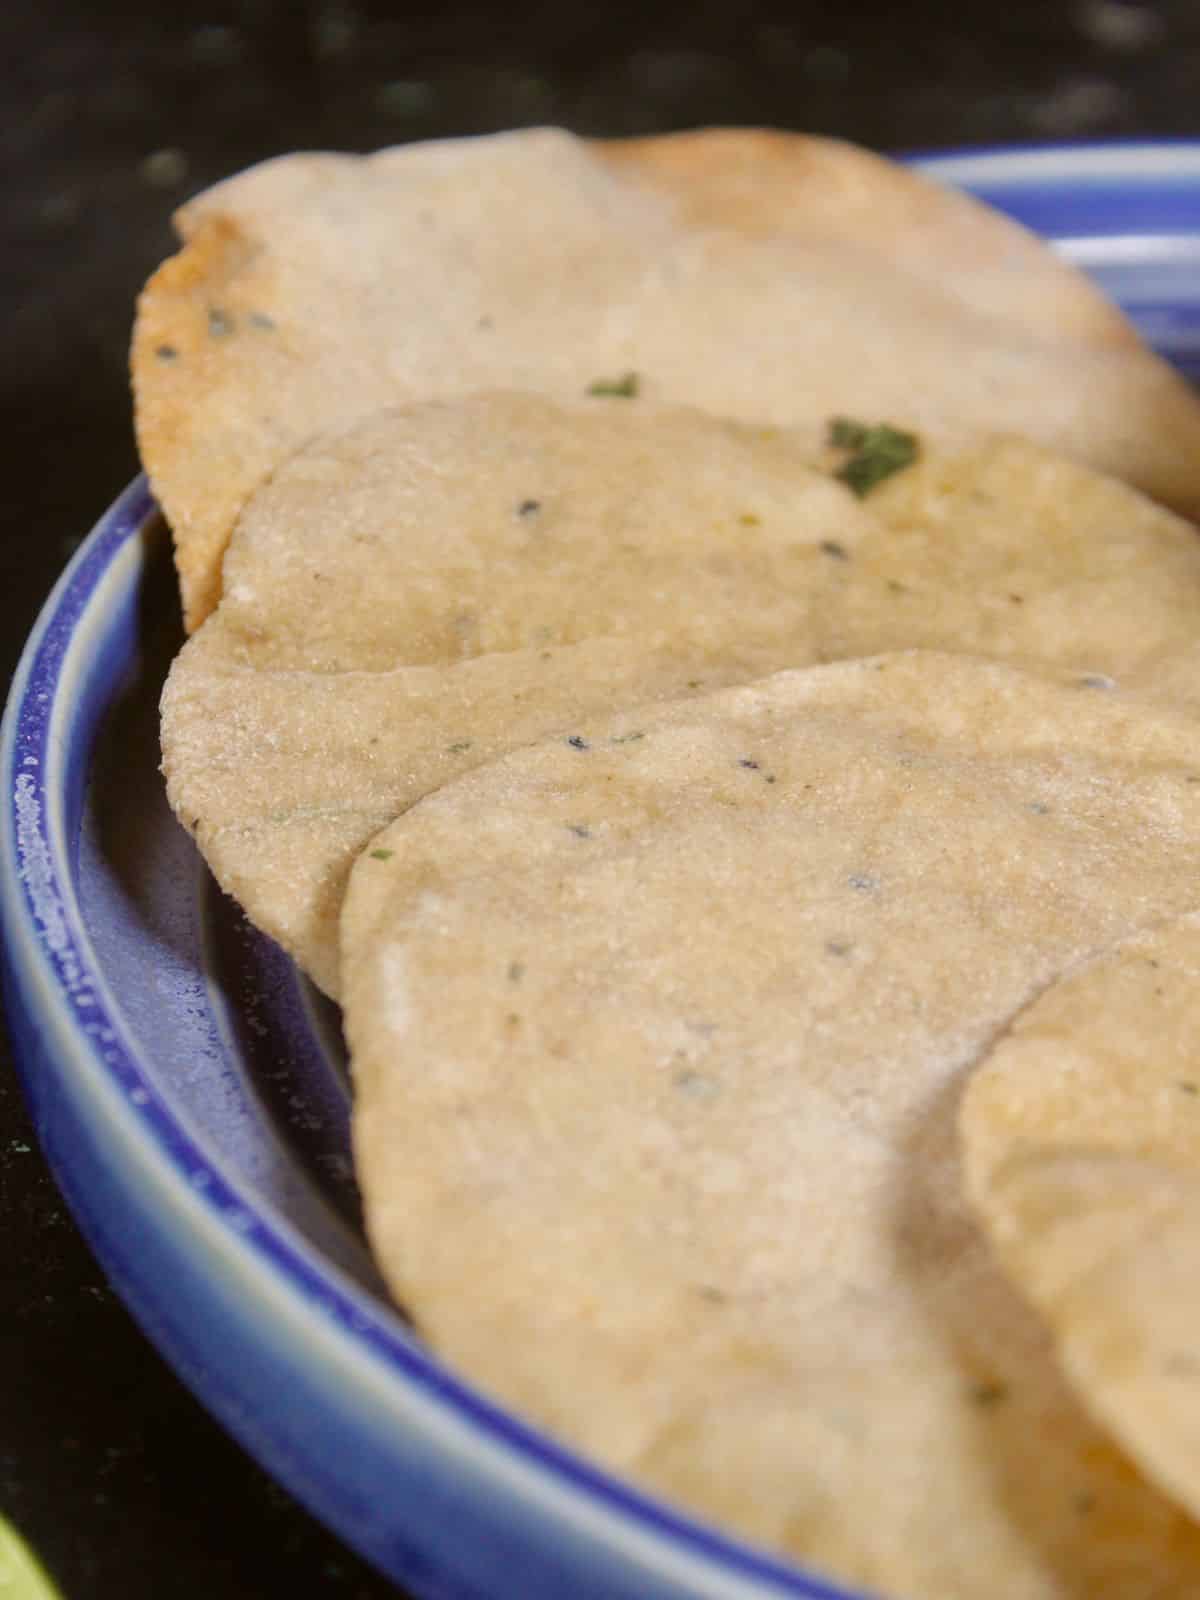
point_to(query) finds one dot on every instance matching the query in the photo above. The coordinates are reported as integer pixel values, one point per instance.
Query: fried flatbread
(657, 1034)
(1082, 1158)
(442, 584)
(771, 277)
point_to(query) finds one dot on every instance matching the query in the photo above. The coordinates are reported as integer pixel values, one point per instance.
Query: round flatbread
(772, 277)
(657, 1032)
(1082, 1158)
(439, 585)
(1003, 548)
(442, 584)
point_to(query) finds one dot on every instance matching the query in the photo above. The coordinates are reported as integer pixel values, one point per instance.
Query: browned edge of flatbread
(751, 183)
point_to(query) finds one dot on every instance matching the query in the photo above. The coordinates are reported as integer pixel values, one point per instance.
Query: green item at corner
(21, 1574)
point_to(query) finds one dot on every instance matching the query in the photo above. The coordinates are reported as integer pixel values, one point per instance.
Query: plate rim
(1114, 161)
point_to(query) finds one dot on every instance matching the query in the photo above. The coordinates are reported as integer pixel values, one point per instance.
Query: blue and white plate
(189, 1087)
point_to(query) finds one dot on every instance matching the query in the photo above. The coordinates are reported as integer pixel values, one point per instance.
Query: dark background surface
(109, 117)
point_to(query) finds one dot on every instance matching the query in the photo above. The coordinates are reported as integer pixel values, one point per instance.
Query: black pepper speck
(989, 1394)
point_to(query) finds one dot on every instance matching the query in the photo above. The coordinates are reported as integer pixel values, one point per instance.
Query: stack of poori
(704, 661)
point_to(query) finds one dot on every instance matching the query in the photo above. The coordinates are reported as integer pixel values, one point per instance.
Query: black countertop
(113, 114)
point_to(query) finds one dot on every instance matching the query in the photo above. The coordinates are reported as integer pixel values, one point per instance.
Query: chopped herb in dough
(623, 388)
(877, 453)
(844, 434)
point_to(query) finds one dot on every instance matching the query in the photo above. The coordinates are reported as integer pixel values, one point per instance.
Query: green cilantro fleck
(877, 452)
(382, 855)
(623, 388)
(845, 434)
